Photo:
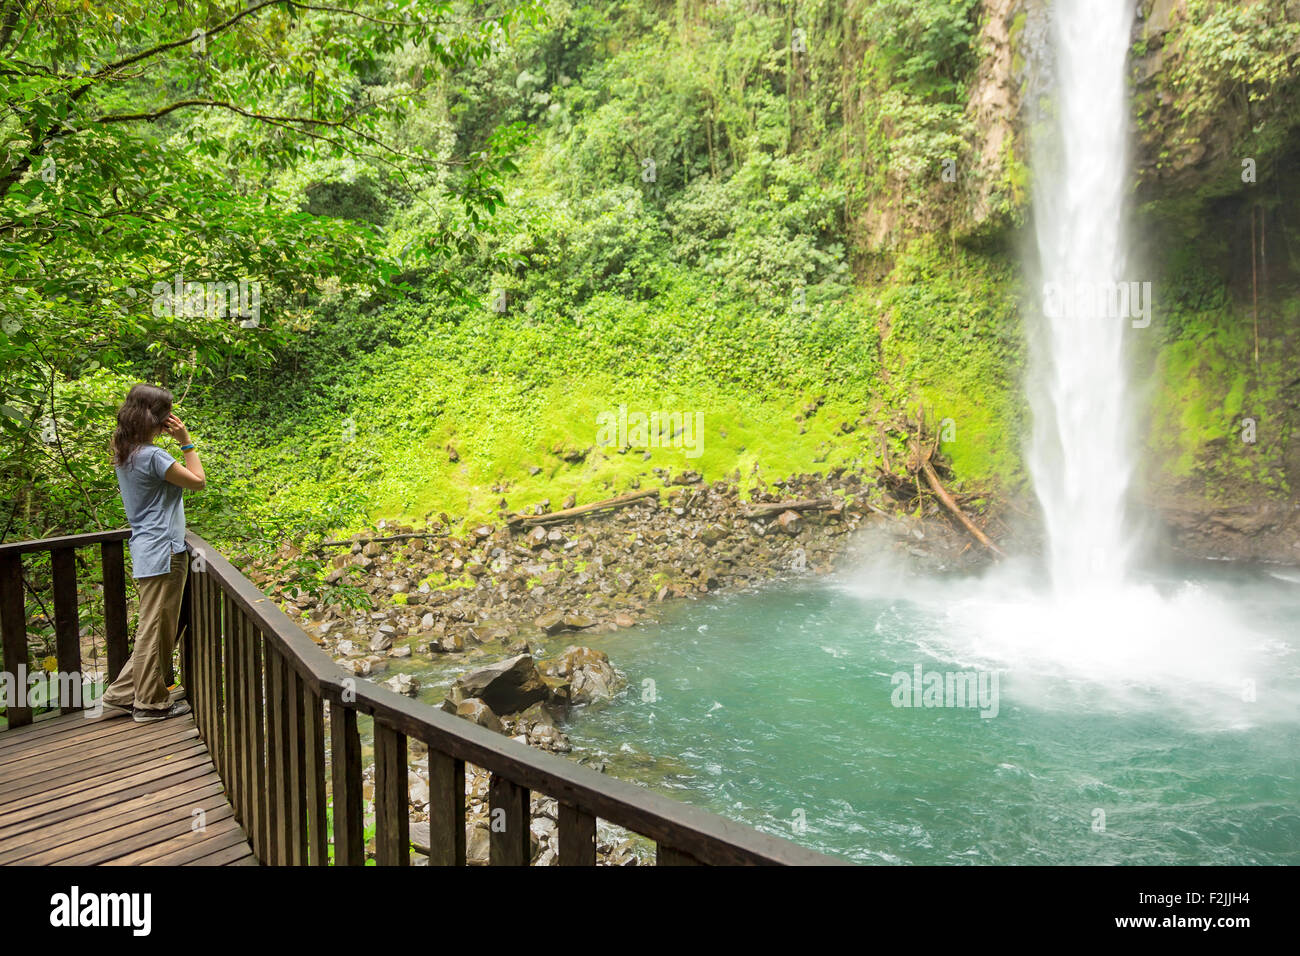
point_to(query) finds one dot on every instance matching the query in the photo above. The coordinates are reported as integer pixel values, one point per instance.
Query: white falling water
(1107, 635)
(1080, 457)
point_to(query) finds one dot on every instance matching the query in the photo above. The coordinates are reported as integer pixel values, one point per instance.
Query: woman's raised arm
(189, 475)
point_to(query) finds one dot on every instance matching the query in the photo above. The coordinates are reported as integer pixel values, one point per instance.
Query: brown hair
(145, 411)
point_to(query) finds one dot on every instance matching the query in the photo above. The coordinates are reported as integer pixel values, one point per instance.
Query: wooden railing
(67, 628)
(271, 706)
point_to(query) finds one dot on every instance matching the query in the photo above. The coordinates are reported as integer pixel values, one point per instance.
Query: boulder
(360, 668)
(712, 535)
(589, 673)
(448, 644)
(538, 724)
(478, 712)
(492, 631)
(403, 684)
(419, 831)
(477, 843)
(557, 689)
(552, 622)
(790, 522)
(507, 687)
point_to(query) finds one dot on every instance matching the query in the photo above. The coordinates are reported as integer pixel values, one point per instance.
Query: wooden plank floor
(77, 790)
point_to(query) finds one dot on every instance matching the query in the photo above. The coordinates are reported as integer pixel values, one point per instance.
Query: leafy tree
(139, 149)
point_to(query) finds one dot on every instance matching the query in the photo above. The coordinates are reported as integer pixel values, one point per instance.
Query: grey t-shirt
(154, 508)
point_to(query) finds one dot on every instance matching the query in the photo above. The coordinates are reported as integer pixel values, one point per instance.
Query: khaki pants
(141, 683)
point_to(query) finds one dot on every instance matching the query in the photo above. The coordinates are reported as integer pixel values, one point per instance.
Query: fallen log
(609, 504)
(932, 479)
(391, 537)
(765, 509)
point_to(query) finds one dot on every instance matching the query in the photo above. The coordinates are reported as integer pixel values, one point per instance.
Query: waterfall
(1080, 456)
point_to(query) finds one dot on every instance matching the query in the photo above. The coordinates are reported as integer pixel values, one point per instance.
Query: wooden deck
(90, 791)
(283, 724)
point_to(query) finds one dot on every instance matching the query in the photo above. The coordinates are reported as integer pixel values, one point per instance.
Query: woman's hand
(176, 428)
(189, 475)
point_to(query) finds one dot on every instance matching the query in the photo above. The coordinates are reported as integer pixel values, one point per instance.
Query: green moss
(441, 581)
(1207, 385)
(1013, 36)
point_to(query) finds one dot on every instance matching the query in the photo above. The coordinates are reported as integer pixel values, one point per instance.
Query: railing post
(13, 632)
(226, 767)
(198, 691)
(206, 636)
(67, 629)
(297, 760)
(511, 844)
(577, 837)
(113, 568)
(318, 830)
(446, 809)
(221, 751)
(184, 626)
(392, 821)
(349, 840)
(187, 641)
(236, 732)
(276, 762)
(255, 705)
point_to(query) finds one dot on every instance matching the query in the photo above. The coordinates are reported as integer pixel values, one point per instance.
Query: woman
(152, 483)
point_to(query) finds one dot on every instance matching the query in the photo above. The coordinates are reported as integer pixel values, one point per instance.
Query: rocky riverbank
(501, 584)
(492, 598)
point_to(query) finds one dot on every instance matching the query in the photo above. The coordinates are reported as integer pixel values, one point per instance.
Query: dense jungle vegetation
(477, 226)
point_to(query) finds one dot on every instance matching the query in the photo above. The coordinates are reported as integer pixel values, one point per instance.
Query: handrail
(68, 541)
(683, 832)
(13, 616)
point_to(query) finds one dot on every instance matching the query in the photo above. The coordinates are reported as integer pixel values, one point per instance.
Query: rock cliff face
(1213, 86)
(1204, 98)
(1011, 40)
(1215, 153)
(1216, 144)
